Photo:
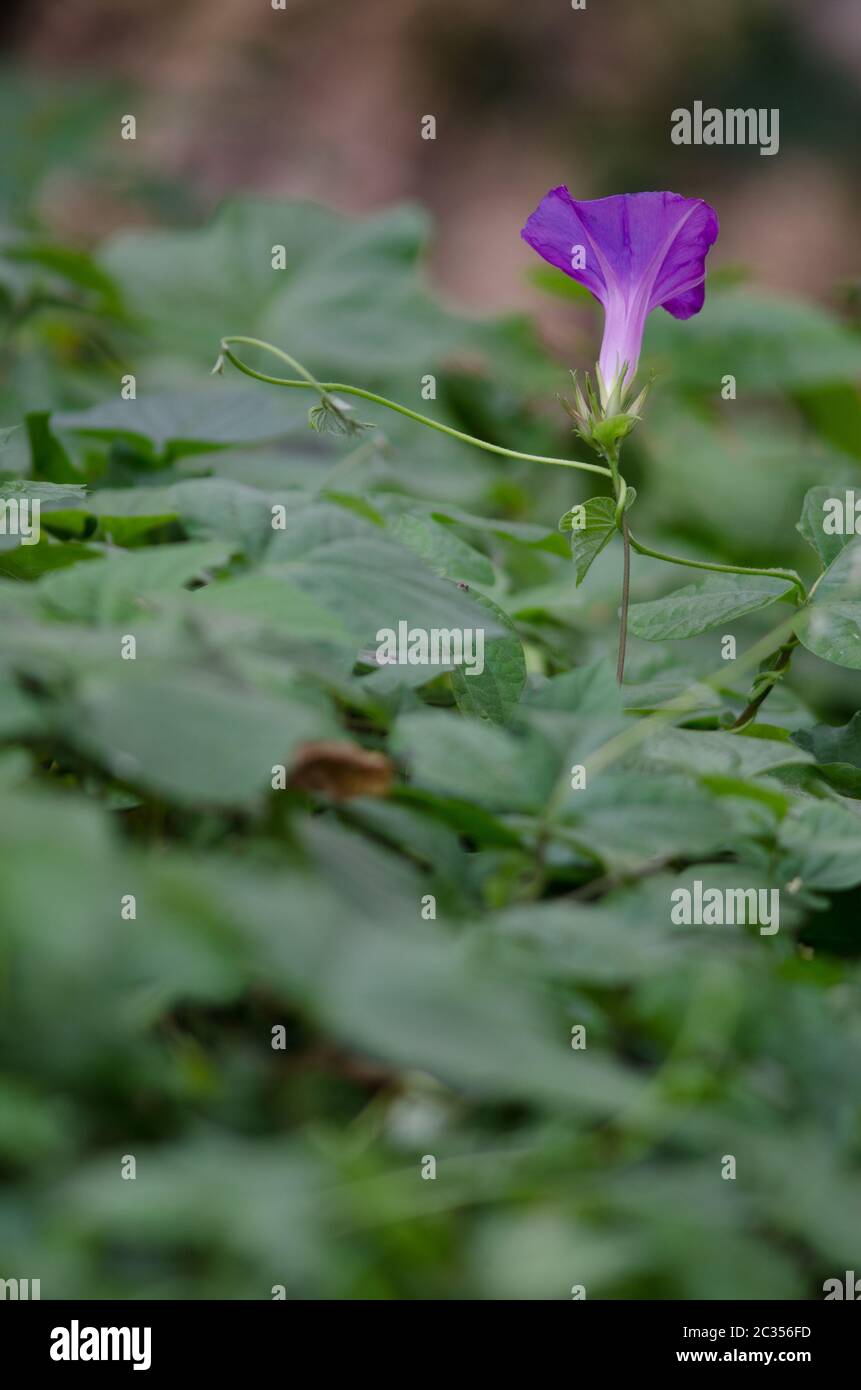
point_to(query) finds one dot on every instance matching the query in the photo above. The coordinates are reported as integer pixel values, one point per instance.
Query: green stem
(324, 388)
(766, 681)
(626, 598)
(789, 575)
(620, 489)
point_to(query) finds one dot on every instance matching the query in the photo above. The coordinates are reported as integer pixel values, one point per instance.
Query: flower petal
(634, 252)
(680, 282)
(555, 230)
(648, 247)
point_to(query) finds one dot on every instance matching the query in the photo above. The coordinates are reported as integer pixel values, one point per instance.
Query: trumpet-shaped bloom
(634, 252)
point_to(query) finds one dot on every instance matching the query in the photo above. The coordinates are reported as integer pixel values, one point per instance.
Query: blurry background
(323, 99)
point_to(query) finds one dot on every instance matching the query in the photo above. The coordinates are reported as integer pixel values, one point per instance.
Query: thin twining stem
(620, 488)
(324, 389)
(626, 599)
(788, 575)
(766, 681)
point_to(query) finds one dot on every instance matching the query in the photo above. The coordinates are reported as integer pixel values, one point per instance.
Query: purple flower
(634, 252)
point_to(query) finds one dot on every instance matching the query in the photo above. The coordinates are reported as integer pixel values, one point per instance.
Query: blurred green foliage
(301, 908)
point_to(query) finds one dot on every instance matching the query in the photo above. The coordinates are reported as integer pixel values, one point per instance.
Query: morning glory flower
(634, 252)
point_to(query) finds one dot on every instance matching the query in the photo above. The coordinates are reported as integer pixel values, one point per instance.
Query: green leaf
(214, 508)
(373, 882)
(576, 711)
(644, 697)
(349, 302)
(813, 517)
(124, 515)
(837, 751)
(175, 423)
(429, 1005)
(618, 941)
(591, 524)
(585, 690)
(375, 583)
(630, 818)
(188, 288)
(472, 822)
(441, 549)
(127, 584)
(308, 527)
(494, 692)
(207, 508)
(706, 753)
(32, 561)
(472, 760)
(275, 604)
(50, 460)
(719, 599)
(821, 844)
(830, 624)
(189, 736)
(49, 495)
(525, 532)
